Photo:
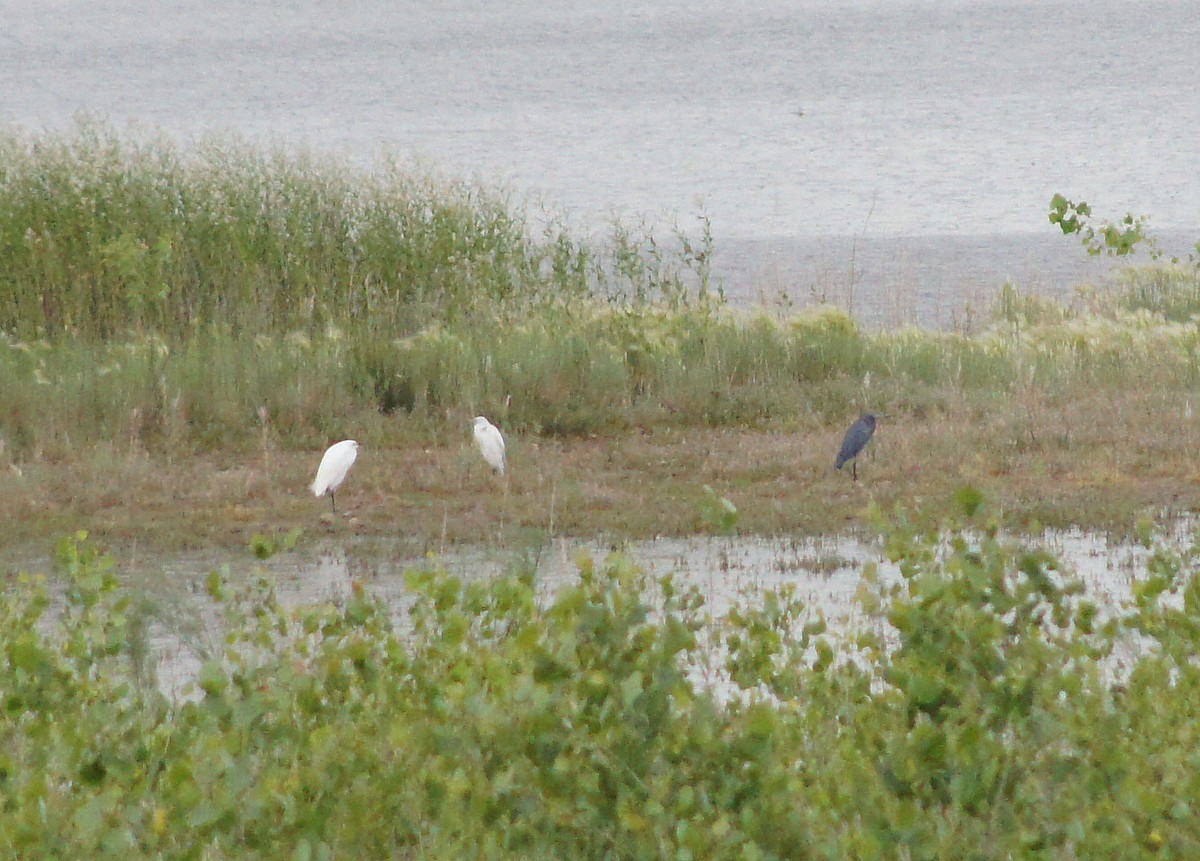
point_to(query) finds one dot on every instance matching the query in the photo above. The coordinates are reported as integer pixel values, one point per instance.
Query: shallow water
(901, 146)
(826, 574)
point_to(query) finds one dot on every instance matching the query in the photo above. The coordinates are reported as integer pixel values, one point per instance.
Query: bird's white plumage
(491, 443)
(337, 461)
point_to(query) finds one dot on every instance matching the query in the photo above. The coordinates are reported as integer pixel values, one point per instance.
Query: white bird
(337, 461)
(491, 444)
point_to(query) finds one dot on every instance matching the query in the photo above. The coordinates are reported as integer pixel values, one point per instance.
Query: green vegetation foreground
(990, 711)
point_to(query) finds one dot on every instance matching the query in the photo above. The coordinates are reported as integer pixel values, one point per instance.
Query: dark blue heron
(856, 440)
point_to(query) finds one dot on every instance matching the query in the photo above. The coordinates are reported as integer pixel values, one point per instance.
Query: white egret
(337, 461)
(491, 443)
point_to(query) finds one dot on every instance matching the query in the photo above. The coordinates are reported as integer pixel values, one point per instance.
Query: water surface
(900, 146)
(825, 573)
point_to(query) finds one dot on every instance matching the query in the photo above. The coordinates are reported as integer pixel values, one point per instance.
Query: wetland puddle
(826, 574)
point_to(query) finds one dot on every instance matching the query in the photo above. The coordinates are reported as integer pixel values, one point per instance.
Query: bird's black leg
(854, 469)
(333, 502)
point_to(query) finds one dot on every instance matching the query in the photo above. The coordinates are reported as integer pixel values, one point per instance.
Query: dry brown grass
(1100, 460)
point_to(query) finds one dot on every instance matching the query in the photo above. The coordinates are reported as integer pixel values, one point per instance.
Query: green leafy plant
(986, 707)
(265, 546)
(1111, 238)
(718, 512)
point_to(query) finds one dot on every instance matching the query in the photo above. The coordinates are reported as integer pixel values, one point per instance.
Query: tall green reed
(174, 297)
(103, 237)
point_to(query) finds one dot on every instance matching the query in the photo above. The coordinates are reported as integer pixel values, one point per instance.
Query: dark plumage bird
(856, 440)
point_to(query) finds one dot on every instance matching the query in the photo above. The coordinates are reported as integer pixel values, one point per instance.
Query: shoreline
(638, 484)
(933, 281)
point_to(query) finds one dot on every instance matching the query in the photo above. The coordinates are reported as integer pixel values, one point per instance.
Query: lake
(894, 156)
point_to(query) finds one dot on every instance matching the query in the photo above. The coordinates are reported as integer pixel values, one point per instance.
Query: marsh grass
(568, 369)
(105, 237)
(1101, 460)
(181, 300)
(1171, 291)
(243, 308)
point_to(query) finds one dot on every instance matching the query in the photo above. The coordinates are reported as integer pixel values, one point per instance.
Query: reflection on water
(826, 573)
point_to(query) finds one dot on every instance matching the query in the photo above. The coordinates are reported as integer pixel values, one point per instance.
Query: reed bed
(107, 238)
(561, 371)
(183, 300)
